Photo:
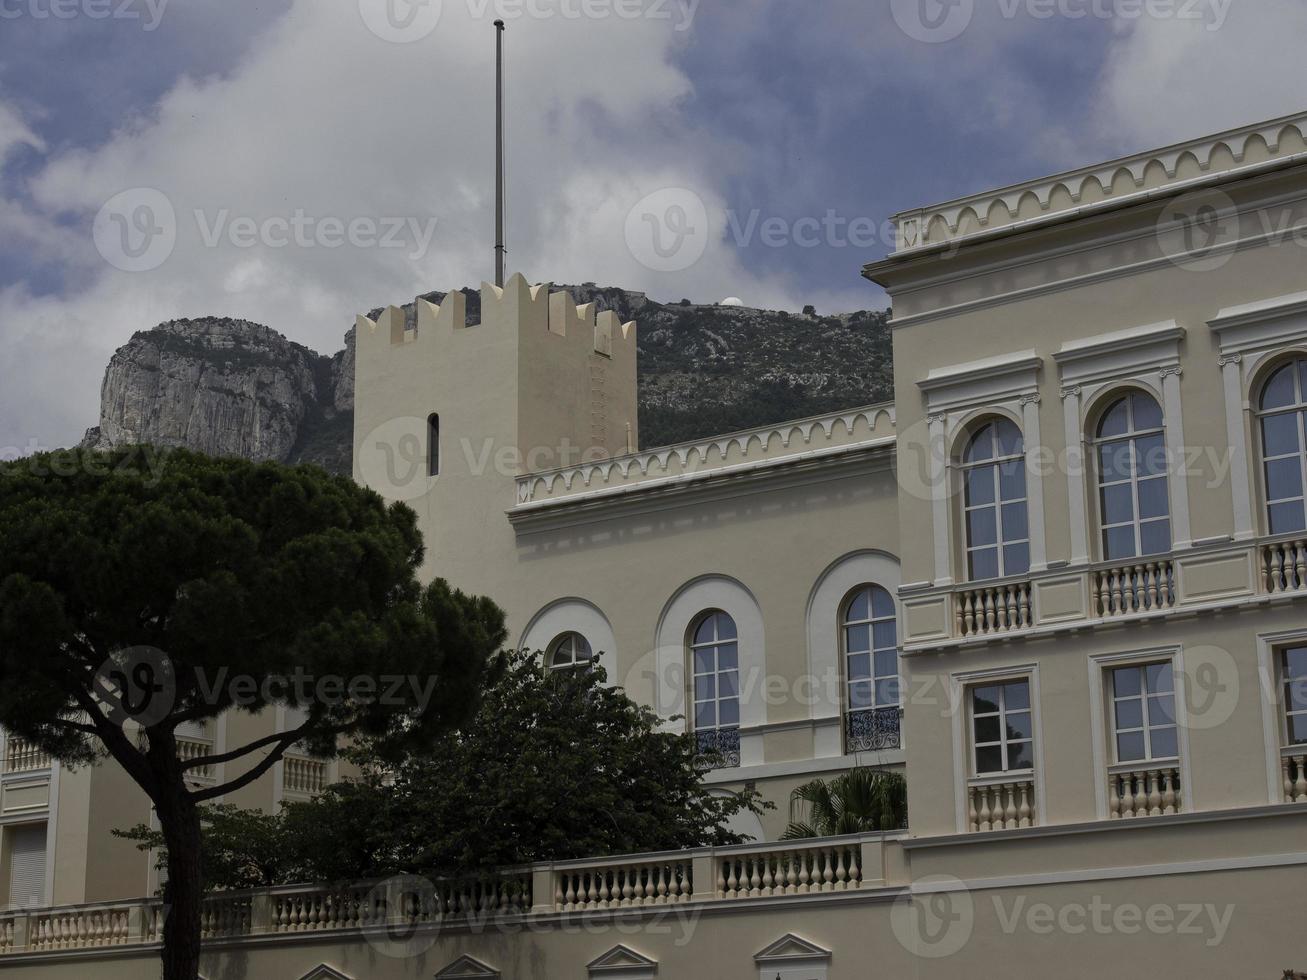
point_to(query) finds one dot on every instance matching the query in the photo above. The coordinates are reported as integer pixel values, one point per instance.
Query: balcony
(1293, 771)
(23, 756)
(304, 777)
(1001, 802)
(1144, 789)
(874, 730)
(1064, 598)
(719, 747)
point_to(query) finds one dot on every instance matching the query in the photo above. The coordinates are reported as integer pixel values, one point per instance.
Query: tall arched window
(994, 491)
(1133, 499)
(1283, 422)
(715, 662)
(869, 630)
(570, 650)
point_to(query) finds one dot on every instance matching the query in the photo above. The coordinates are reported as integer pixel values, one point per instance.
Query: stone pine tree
(140, 591)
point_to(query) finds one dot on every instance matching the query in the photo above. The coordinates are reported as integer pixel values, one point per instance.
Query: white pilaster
(1034, 481)
(1076, 468)
(1181, 536)
(939, 492)
(1237, 439)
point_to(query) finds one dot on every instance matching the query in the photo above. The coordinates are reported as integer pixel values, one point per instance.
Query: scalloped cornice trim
(769, 442)
(1114, 180)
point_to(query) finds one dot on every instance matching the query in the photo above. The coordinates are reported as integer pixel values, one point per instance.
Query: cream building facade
(1060, 580)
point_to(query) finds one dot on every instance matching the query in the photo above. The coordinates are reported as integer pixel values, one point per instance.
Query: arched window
(994, 491)
(1133, 500)
(869, 631)
(715, 665)
(570, 650)
(1283, 422)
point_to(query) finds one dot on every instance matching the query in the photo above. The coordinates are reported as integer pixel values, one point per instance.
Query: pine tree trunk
(180, 822)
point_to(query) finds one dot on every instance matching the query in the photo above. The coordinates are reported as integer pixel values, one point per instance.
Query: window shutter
(27, 866)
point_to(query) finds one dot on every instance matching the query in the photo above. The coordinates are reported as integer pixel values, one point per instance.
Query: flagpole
(499, 153)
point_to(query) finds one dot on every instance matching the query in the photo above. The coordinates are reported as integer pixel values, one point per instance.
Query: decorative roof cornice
(1174, 168)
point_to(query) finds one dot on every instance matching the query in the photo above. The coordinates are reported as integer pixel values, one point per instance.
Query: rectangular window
(1002, 728)
(1293, 670)
(1143, 713)
(433, 443)
(26, 865)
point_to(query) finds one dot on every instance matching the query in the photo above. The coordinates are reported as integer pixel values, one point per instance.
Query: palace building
(1061, 581)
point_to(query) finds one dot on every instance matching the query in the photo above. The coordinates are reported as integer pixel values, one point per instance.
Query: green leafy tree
(140, 592)
(555, 765)
(240, 848)
(863, 800)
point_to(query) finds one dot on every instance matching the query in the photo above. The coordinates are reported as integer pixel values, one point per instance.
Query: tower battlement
(532, 310)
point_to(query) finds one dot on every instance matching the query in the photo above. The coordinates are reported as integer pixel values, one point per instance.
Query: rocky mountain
(231, 387)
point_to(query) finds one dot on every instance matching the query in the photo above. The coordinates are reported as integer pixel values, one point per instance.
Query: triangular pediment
(791, 947)
(619, 959)
(467, 968)
(325, 972)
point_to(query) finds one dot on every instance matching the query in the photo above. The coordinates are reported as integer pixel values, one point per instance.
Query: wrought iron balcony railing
(720, 747)
(874, 729)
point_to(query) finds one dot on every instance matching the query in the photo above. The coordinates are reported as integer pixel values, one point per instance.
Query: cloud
(14, 132)
(325, 128)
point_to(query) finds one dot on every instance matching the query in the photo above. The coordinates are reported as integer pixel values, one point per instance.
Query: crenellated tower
(448, 414)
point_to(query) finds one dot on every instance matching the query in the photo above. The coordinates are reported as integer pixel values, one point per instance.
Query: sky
(293, 162)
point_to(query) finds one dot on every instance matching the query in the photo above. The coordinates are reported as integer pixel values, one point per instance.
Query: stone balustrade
(303, 776)
(662, 882)
(1134, 587)
(1293, 771)
(793, 868)
(595, 886)
(23, 756)
(1063, 598)
(1284, 567)
(192, 748)
(1143, 790)
(1002, 803)
(987, 610)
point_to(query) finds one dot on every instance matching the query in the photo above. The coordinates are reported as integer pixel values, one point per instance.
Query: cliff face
(235, 388)
(225, 387)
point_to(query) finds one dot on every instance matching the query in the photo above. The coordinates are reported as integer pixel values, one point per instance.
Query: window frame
(1002, 683)
(574, 661)
(1111, 699)
(1283, 685)
(991, 424)
(692, 647)
(1129, 438)
(1295, 365)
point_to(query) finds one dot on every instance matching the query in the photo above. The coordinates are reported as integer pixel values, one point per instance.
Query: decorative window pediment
(468, 968)
(625, 963)
(986, 382)
(792, 957)
(1121, 354)
(325, 972)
